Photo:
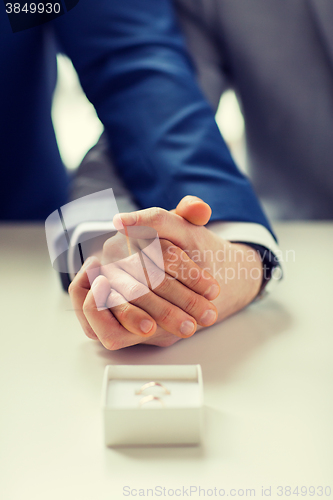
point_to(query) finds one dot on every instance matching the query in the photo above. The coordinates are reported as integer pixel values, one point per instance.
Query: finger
(79, 289)
(134, 319)
(81, 279)
(175, 292)
(194, 210)
(177, 263)
(168, 225)
(161, 338)
(107, 328)
(168, 316)
(168, 258)
(131, 264)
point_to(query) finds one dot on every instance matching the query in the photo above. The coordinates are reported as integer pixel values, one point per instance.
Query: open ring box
(139, 413)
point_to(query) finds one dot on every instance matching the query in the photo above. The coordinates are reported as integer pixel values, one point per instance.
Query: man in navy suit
(278, 58)
(134, 68)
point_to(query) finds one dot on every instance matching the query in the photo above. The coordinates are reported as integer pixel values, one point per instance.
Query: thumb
(194, 210)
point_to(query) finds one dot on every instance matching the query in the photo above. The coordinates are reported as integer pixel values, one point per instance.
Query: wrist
(252, 263)
(240, 278)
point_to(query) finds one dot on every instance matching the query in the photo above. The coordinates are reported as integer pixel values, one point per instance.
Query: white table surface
(268, 385)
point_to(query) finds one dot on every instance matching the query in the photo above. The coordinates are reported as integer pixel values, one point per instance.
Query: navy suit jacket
(133, 66)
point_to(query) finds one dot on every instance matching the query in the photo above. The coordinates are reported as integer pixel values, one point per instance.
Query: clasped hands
(200, 283)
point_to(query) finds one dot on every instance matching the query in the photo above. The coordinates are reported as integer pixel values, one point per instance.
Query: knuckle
(89, 304)
(111, 343)
(107, 246)
(140, 300)
(166, 315)
(194, 278)
(157, 216)
(136, 290)
(73, 293)
(122, 313)
(170, 249)
(171, 254)
(86, 309)
(159, 281)
(191, 302)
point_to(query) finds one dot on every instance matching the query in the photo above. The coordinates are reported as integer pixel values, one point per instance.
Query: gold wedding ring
(149, 398)
(152, 384)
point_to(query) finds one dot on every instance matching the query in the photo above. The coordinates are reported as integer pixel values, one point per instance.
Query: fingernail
(126, 219)
(187, 327)
(146, 325)
(208, 317)
(212, 292)
(96, 282)
(88, 261)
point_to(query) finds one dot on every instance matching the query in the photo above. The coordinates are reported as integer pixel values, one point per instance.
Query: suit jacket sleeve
(132, 63)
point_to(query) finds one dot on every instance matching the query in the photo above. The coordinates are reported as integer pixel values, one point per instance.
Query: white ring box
(173, 419)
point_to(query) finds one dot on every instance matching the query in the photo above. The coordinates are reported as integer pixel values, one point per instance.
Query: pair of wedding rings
(151, 397)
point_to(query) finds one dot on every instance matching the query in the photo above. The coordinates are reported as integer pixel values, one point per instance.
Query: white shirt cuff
(249, 232)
